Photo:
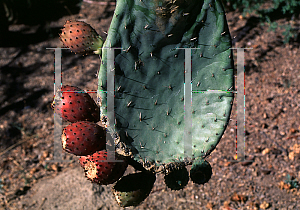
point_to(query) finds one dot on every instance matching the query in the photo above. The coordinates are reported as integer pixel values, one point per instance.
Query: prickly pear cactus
(150, 97)
(164, 90)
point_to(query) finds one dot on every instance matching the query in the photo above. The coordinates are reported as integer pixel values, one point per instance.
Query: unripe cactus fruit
(177, 178)
(201, 171)
(132, 189)
(81, 38)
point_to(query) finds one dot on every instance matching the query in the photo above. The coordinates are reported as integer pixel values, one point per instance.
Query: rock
(69, 190)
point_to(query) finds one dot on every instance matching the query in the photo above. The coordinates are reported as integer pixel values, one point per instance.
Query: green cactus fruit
(151, 81)
(132, 189)
(81, 38)
(200, 172)
(177, 177)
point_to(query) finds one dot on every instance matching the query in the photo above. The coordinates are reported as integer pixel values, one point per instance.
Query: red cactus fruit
(100, 171)
(81, 38)
(83, 138)
(76, 105)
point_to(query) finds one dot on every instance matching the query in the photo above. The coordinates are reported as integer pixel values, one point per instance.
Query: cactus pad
(150, 91)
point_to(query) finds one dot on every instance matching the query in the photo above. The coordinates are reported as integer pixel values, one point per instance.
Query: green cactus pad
(201, 171)
(149, 101)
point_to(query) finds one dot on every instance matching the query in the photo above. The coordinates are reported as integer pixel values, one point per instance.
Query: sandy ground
(28, 181)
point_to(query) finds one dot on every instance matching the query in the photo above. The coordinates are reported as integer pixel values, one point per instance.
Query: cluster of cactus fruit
(149, 127)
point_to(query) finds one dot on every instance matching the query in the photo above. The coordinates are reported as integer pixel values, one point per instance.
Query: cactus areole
(149, 122)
